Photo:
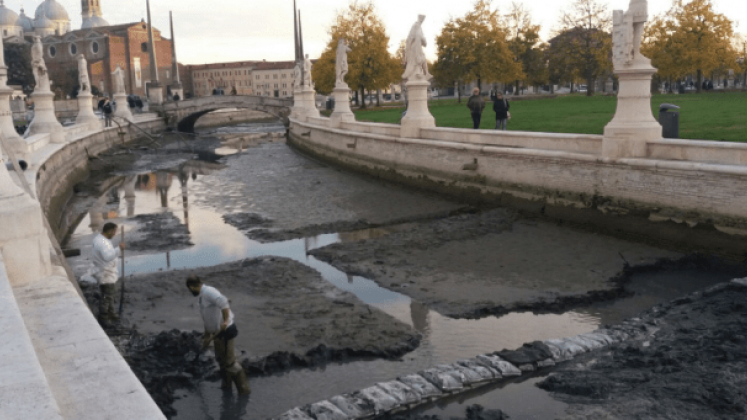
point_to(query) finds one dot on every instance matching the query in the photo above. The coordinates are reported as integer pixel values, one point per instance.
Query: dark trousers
(107, 120)
(476, 120)
(106, 303)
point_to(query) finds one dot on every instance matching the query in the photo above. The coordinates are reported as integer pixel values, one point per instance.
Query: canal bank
(291, 195)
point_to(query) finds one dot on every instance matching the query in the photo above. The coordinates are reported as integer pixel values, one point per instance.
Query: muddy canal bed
(339, 282)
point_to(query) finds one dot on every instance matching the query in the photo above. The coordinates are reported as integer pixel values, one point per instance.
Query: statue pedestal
(85, 112)
(418, 116)
(304, 103)
(122, 110)
(633, 125)
(155, 94)
(23, 241)
(44, 119)
(8, 130)
(342, 112)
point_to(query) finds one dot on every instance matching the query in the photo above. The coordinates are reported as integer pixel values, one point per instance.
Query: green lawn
(712, 116)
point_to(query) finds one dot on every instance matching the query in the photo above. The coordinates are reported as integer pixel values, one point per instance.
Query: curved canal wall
(564, 176)
(58, 362)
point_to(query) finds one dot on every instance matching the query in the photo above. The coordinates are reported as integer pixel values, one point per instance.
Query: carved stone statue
(416, 66)
(307, 72)
(119, 86)
(39, 67)
(627, 33)
(341, 65)
(83, 80)
(297, 76)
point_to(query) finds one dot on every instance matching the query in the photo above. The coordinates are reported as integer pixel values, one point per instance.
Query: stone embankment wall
(559, 175)
(57, 362)
(227, 117)
(410, 391)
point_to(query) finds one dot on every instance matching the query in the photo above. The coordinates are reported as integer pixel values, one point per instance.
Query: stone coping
(446, 380)
(23, 386)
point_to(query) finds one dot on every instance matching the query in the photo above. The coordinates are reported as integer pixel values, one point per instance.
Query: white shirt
(105, 260)
(212, 303)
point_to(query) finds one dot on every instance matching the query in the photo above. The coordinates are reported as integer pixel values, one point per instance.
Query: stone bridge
(184, 114)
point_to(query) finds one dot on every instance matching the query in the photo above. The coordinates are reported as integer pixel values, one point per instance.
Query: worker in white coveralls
(105, 271)
(221, 329)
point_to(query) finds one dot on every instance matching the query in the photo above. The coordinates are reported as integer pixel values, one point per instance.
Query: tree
(474, 47)
(371, 65)
(691, 39)
(523, 37)
(583, 46)
(18, 60)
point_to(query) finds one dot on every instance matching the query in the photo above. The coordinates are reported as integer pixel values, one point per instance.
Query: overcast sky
(234, 30)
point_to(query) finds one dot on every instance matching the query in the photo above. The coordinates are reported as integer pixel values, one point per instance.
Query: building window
(283, 76)
(276, 85)
(73, 49)
(285, 85)
(257, 77)
(95, 47)
(275, 76)
(144, 47)
(52, 51)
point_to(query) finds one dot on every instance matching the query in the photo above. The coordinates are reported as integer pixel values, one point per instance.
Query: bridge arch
(184, 114)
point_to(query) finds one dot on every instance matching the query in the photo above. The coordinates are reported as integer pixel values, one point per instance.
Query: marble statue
(83, 80)
(297, 75)
(307, 72)
(416, 67)
(627, 33)
(119, 86)
(341, 64)
(38, 67)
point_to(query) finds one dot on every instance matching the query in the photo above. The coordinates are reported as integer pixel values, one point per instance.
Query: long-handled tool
(121, 295)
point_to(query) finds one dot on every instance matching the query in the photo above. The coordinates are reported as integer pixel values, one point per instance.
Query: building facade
(265, 78)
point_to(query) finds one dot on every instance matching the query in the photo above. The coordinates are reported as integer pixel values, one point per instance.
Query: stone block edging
(429, 385)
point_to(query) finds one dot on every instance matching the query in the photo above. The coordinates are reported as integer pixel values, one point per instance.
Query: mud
(166, 362)
(287, 315)
(161, 231)
(303, 197)
(473, 412)
(693, 366)
(494, 262)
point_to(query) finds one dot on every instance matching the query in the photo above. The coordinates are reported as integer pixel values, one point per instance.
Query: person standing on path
(476, 104)
(500, 106)
(105, 271)
(107, 113)
(220, 328)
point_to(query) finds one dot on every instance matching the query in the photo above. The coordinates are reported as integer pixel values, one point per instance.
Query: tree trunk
(590, 86)
(363, 98)
(699, 83)
(378, 97)
(459, 92)
(572, 84)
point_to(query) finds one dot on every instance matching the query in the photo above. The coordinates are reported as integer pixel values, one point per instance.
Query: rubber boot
(242, 384)
(225, 380)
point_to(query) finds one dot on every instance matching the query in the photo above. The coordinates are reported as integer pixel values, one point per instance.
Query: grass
(706, 116)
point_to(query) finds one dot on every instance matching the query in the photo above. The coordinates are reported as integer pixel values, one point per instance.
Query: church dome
(43, 23)
(52, 10)
(25, 22)
(94, 22)
(7, 16)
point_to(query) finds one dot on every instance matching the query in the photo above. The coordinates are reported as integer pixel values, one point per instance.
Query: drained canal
(188, 197)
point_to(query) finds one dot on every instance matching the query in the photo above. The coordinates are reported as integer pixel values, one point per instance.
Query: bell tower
(91, 8)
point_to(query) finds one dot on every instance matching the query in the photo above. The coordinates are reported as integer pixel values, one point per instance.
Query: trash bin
(669, 119)
(330, 104)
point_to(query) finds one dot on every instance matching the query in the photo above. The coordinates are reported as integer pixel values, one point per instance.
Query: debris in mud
(166, 362)
(161, 231)
(472, 412)
(692, 366)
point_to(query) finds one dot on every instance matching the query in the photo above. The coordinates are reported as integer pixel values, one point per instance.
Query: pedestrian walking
(105, 272)
(221, 330)
(107, 108)
(501, 106)
(476, 104)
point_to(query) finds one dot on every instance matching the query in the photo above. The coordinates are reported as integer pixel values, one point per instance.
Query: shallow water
(445, 340)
